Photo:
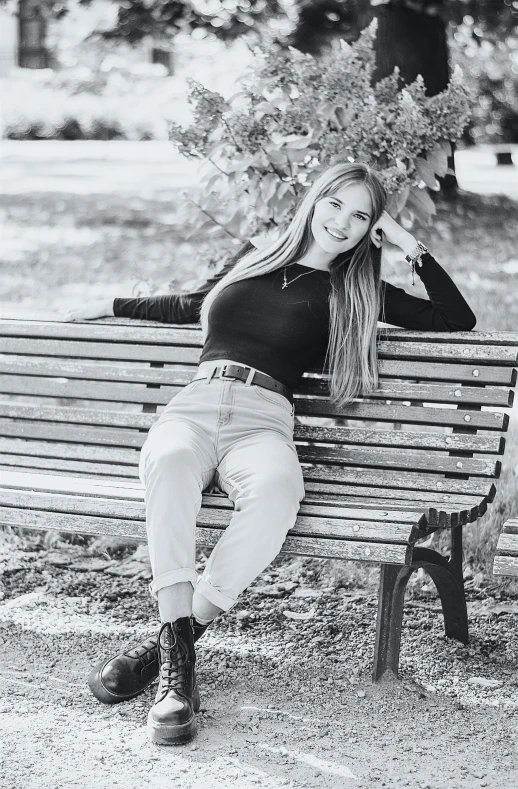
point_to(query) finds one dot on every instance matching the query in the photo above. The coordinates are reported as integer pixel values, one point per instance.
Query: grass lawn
(62, 249)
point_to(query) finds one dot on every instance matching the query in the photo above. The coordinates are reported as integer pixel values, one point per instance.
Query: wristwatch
(415, 257)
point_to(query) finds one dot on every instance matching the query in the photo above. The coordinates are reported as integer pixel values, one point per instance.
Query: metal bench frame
(69, 460)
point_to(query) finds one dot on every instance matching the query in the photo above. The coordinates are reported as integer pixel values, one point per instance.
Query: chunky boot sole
(173, 734)
(108, 696)
(167, 734)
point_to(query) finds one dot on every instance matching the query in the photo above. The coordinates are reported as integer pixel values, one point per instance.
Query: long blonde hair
(354, 301)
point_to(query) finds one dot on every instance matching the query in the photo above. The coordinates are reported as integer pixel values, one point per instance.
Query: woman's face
(341, 220)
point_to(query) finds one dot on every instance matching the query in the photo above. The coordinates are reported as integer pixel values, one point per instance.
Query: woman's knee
(179, 457)
(279, 485)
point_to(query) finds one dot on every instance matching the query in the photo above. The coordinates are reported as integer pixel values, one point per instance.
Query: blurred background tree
(424, 37)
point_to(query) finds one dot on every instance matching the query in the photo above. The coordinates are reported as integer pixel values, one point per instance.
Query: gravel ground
(287, 699)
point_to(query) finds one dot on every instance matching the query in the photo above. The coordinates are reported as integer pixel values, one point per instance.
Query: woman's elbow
(466, 322)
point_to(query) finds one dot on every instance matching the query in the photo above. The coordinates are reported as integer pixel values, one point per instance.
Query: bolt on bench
(420, 456)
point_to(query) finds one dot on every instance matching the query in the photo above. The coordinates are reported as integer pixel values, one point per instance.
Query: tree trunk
(415, 42)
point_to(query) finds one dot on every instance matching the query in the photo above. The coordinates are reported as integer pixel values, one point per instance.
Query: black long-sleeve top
(283, 332)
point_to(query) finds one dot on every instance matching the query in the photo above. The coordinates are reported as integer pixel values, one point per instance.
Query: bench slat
(471, 337)
(490, 444)
(460, 373)
(114, 392)
(179, 335)
(511, 526)
(400, 480)
(394, 332)
(424, 371)
(508, 545)
(439, 508)
(496, 354)
(337, 522)
(118, 527)
(63, 466)
(505, 565)
(401, 460)
(397, 480)
(388, 389)
(106, 436)
(375, 458)
(97, 350)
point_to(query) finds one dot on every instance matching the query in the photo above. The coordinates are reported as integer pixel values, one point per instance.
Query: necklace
(285, 282)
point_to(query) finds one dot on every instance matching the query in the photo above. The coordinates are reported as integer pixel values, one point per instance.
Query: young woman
(266, 319)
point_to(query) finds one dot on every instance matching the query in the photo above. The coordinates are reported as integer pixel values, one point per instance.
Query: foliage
(294, 116)
(227, 20)
(75, 104)
(490, 67)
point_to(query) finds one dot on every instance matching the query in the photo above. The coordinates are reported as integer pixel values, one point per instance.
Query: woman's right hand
(90, 311)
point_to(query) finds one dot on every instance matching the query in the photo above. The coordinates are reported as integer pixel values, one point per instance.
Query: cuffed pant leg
(177, 463)
(263, 477)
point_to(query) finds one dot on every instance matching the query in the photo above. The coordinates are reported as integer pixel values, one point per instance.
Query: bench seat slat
(490, 444)
(439, 508)
(322, 492)
(388, 389)
(375, 458)
(390, 479)
(506, 559)
(508, 545)
(207, 535)
(505, 565)
(438, 514)
(312, 519)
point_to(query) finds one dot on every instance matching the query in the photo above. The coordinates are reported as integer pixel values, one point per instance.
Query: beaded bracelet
(415, 257)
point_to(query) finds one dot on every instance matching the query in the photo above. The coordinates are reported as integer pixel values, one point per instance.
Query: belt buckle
(223, 375)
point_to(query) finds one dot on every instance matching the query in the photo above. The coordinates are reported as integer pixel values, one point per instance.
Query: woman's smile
(336, 234)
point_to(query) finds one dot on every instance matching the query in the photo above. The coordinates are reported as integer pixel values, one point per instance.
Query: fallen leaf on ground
(484, 683)
(300, 615)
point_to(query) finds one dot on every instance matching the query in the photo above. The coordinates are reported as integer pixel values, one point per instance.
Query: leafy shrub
(75, 104)
(293, 116)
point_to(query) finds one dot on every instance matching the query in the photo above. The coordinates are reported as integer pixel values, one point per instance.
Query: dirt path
(285, 702)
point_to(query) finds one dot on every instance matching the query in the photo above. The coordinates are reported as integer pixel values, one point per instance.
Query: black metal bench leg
(447, 577)
(448, 580)
(393, 582)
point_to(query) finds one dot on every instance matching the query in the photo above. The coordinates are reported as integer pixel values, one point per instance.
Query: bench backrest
(79, 398)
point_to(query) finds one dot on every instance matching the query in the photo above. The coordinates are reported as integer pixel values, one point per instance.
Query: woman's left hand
(393, 233)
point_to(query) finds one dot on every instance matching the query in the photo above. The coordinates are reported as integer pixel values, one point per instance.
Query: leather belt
(247, 375)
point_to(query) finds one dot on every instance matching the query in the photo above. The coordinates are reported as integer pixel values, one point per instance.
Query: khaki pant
(241, 438)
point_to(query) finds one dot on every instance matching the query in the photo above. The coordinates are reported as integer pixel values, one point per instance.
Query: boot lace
(144, 649)
(174, 668)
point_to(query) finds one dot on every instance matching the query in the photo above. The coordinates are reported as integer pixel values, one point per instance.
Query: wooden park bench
(420, 456)
(506, 558)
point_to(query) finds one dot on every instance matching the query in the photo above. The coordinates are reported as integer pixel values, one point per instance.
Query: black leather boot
(172, 720)
(125, 676)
